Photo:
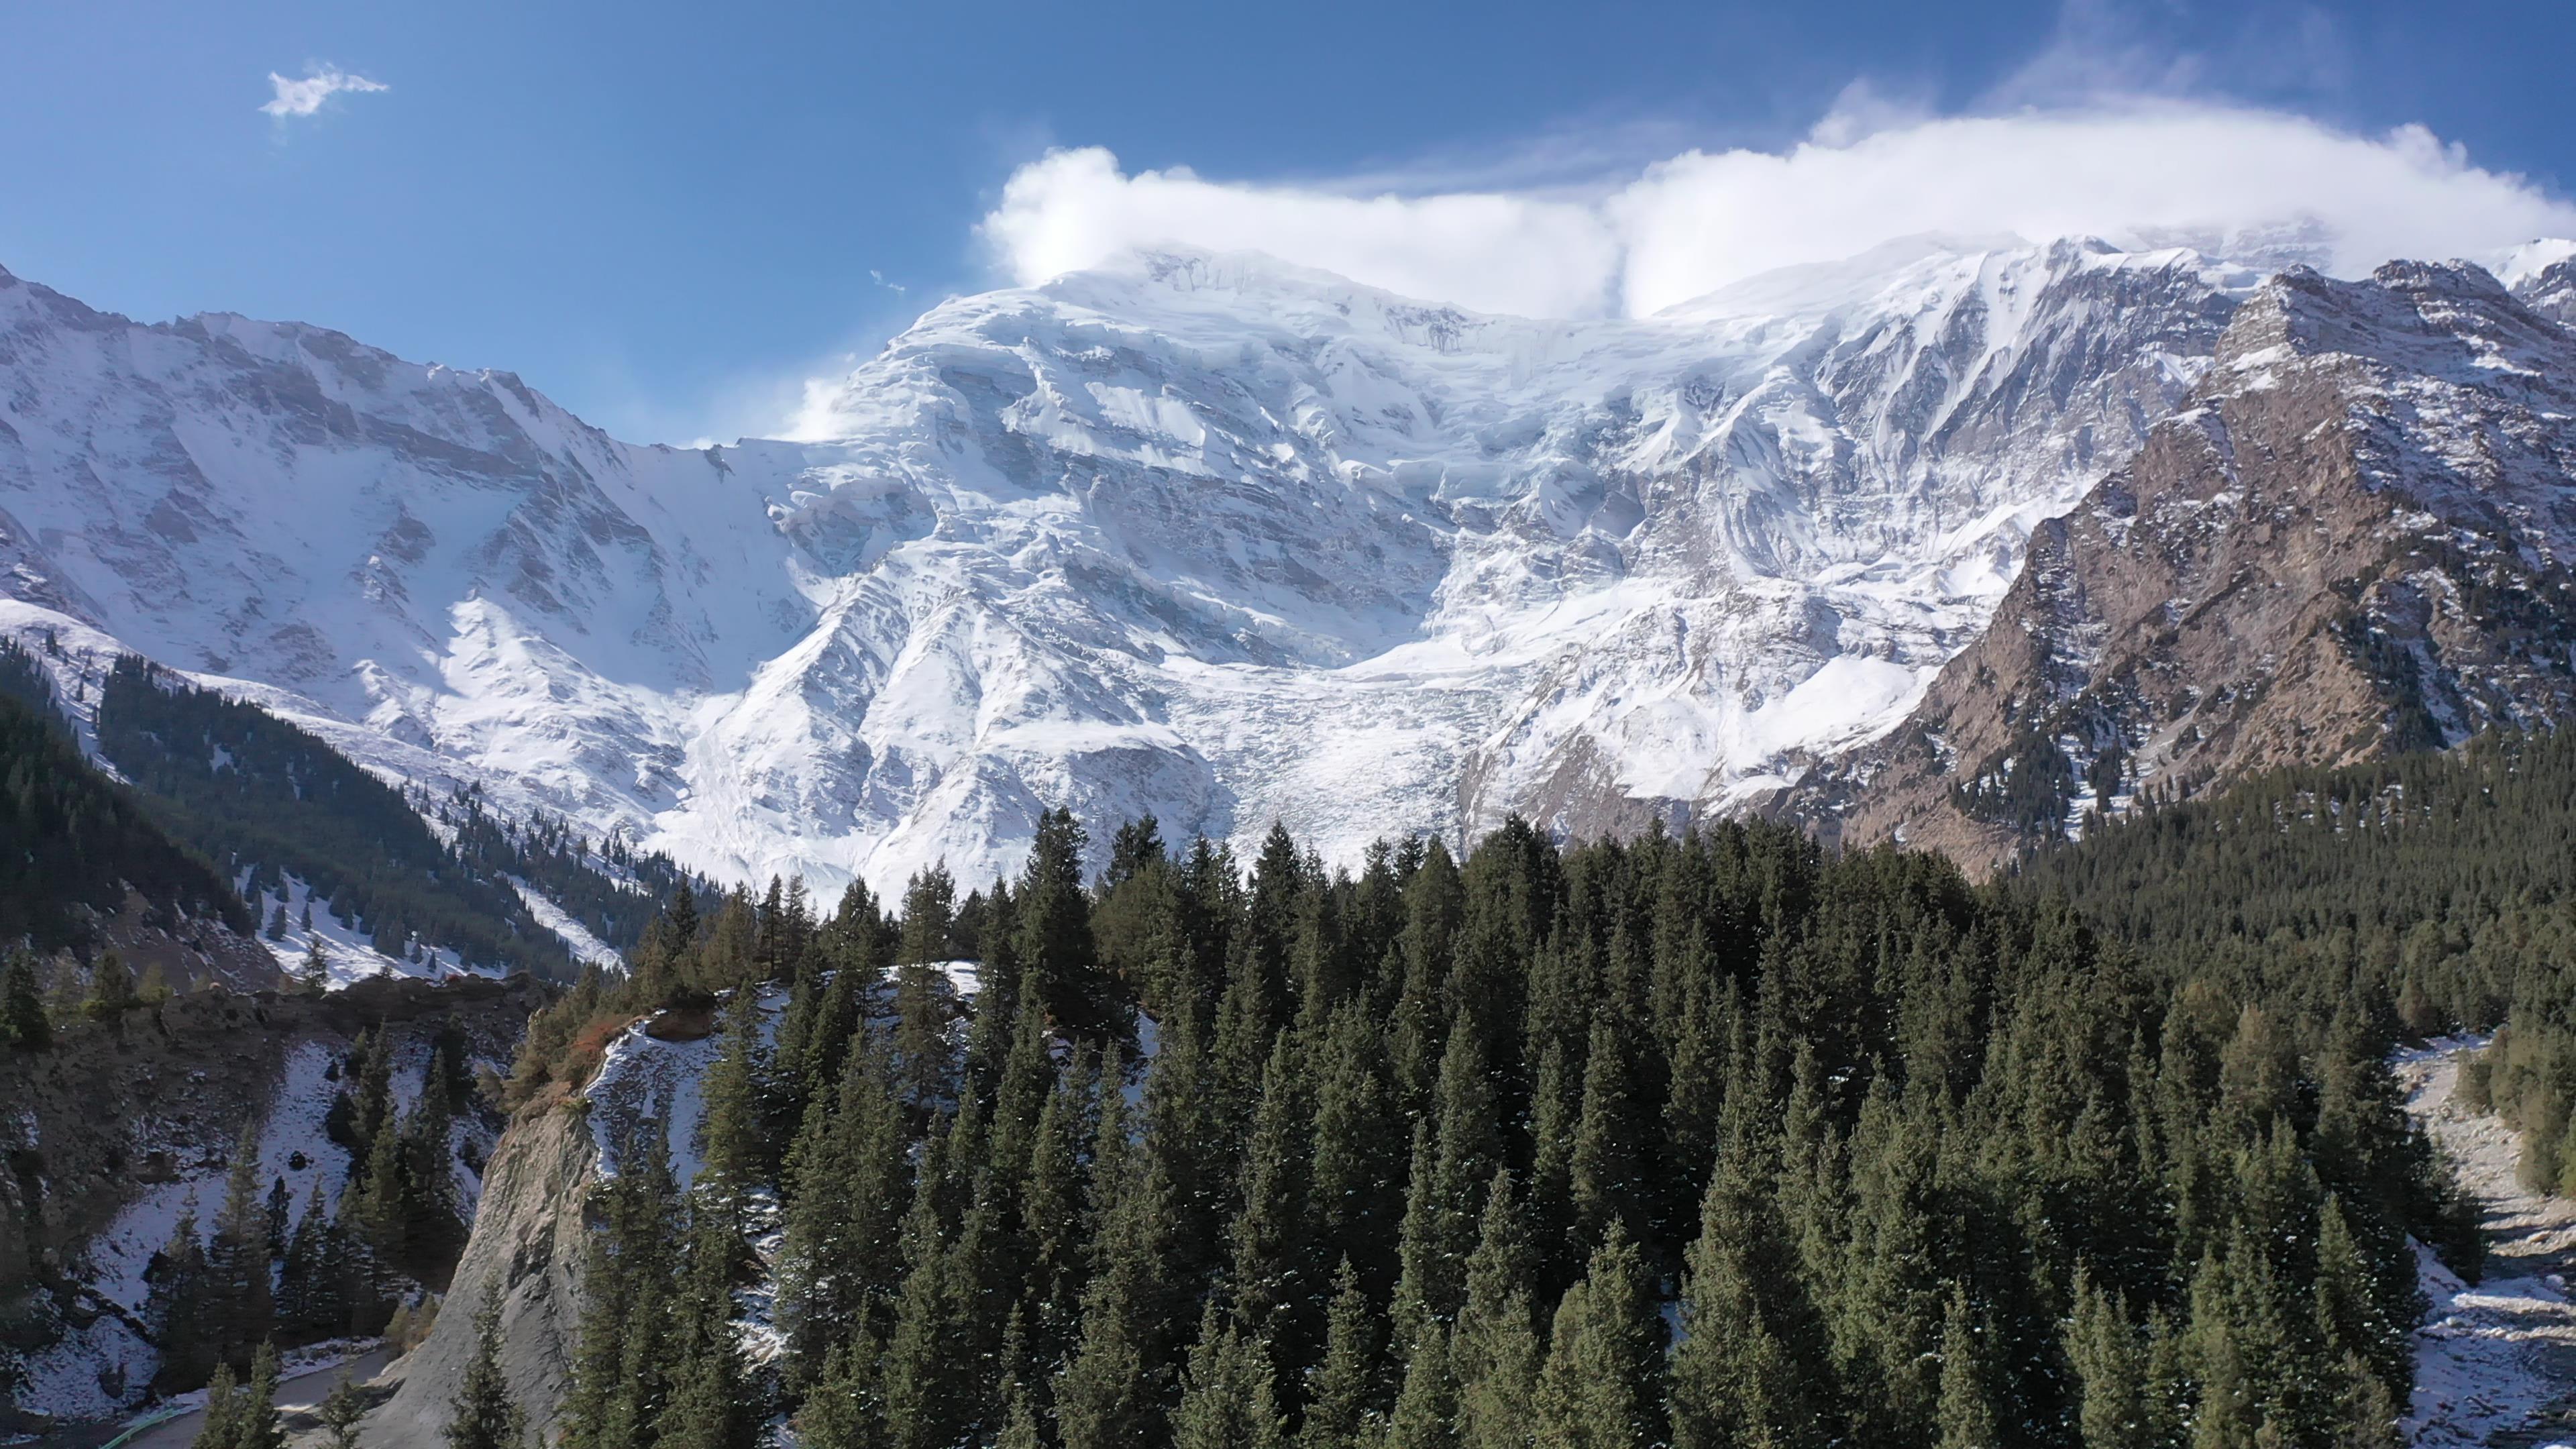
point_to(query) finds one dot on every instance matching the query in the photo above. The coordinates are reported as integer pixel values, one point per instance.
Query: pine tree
(620, 1359)
(929, 907)
(254, 1422)
(111, 989)
(1602, 1387)
(841, 1257)
(342, 1410)
(845, 1410)
(1227, 1397)
(222, 1426)
(710, 1405)
(1358, 1153)
(734, 1151)
(1747, 1328)
(919, 1368)
(1268, 1277)
(482, 1414)
(1111, 1393)
(1426, 1412)
(1495, 1352)
(924, 1058)
(239, 1310)
(1054, 931)
(278, 1215)
(2110, 1365)
(22, 1006)
(1967, 1415)
(314, 976)
(1341, 1410)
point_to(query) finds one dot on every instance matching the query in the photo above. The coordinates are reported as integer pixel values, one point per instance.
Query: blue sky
(667, 215)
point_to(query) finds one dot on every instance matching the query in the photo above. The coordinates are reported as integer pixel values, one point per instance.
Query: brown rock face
(2352, 540)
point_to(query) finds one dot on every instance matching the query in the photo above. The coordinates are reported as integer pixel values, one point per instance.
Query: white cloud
(304, 97)
(1870, 173)
(1488, 250)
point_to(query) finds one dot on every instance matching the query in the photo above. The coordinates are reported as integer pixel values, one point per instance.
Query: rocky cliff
(2353, 539)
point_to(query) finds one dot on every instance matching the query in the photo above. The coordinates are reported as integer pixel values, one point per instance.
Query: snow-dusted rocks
(1207, 536)
(2354, 540)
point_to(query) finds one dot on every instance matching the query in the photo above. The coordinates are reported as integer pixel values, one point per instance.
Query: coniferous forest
(1713, 1140)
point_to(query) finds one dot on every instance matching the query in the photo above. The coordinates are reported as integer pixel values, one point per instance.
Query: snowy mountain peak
(1202, 535)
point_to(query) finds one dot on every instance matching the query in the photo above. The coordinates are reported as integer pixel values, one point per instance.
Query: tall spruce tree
(482, 1415)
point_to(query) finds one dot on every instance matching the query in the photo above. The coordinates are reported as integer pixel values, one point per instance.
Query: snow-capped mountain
(2355, 539)
(1208, 536)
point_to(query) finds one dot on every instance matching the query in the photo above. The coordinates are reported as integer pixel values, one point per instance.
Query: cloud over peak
(304, 97)
(2139, 172)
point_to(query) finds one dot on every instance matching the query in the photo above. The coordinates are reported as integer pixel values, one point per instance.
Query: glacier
(1207, 536)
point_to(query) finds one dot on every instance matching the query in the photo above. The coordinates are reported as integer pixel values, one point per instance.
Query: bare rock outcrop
(2353, 540)
(527, 1248)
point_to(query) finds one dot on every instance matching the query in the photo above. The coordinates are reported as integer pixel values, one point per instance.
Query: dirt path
(2495, 1363)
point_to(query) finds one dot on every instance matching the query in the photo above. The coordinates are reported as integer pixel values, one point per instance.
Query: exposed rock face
(112, 1130)
(530, 1238)
(2353, 539)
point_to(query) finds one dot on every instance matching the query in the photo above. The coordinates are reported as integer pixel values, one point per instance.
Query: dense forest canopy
(1715, 1140)
(76, 842)
(2447, 880)
(247, 788)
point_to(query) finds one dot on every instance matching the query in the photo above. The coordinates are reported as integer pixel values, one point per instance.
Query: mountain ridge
(1204, 537)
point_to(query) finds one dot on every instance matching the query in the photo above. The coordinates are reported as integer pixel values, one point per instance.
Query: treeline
(2449, 880)
(250, 790)
(75, 841)
(350, 1259)
(613, 889)
(1713, 1140)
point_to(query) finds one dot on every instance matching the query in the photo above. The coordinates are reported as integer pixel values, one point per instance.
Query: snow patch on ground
(95, 1371)
(2498, 1358)
(643, 1079)
(586, 947)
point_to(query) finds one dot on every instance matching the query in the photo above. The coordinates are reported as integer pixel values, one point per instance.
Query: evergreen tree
(2110, 1363)
(342, 1410)
(1495, 1352)
(1111, 1393)
(1426, 1412)
(482, 1415)
(1342, 1409)
(1227, 1400)
(1603, 1384)
(929, 906)
(841, 1258)
(734, 1152)
(620, 1362)
(710, 1405)
(1967, 1409)
(22, 1006)
(1054, 931)
(1746, 1328)
(239, 1309)
(111, 989)
(222, 1426)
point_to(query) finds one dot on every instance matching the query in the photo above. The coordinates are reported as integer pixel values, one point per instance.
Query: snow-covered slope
(1208, 536)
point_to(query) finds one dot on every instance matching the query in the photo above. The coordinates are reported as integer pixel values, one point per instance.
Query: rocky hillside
(2352, 540)
(120, 1125)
